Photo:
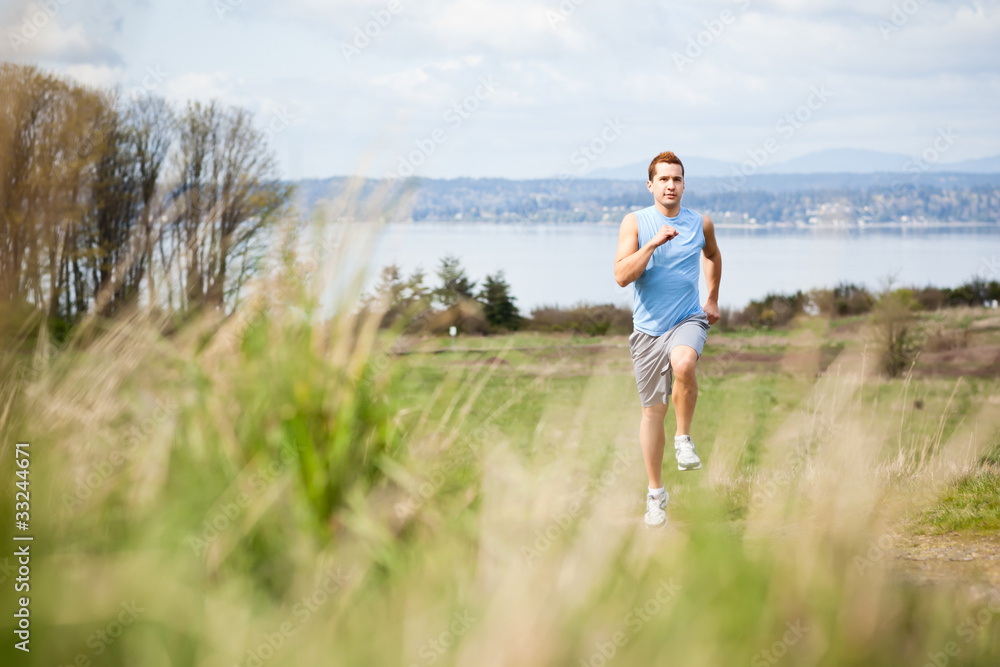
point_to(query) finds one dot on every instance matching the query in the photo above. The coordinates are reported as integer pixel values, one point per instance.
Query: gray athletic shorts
(651, 356)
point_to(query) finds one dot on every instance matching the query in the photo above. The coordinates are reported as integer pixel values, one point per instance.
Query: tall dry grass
(279, 488)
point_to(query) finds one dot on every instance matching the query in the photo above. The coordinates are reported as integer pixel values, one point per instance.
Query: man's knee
(682, 362)
(655, 412)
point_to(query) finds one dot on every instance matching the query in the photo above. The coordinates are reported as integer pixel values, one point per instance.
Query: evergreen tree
(498, 304)
(418, 295)
(390, 287)
(455, 285)
(387, 295)
(407, 298)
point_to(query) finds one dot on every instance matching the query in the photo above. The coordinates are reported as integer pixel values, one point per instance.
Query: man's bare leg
(685, 389)
(652, 440)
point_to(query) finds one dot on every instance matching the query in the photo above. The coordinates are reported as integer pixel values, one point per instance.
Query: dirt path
(952, 559)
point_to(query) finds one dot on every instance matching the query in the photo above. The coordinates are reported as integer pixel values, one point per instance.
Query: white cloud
(559, 82)
(99, 76)
(458, 64)
(511, 26)
(40, 32)
(198, 86)
(403, 83)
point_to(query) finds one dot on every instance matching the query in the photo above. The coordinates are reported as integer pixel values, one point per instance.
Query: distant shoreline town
(775, 201)
(766, 226)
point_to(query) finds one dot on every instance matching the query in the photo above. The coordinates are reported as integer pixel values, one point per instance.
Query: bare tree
(116, 266)
(227, 193)
(86, 204)
(43, 171)
(17, 108)
(151, 124)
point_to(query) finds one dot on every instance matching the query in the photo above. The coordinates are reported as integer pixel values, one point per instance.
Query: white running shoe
(656, 506)
(684, 451)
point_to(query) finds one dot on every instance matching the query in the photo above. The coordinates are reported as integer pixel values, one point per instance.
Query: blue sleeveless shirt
(667, 291)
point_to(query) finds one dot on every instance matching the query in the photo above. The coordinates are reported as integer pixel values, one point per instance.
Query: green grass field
(292, 492)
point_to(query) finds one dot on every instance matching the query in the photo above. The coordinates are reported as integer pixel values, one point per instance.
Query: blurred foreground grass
(286, 490)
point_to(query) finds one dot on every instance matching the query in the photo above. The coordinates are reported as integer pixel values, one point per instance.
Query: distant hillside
(986, 165)
(801, 199)
(840, 161)
(831, 161)
(702, 166)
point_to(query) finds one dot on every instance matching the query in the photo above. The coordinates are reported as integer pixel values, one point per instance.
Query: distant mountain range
(831, 161)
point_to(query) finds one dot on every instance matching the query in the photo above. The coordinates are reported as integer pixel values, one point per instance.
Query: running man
(659, 250)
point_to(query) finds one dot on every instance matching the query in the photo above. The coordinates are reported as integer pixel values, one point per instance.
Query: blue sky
(518, 88)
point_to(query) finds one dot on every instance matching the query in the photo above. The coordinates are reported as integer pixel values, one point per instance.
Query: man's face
(667, 185)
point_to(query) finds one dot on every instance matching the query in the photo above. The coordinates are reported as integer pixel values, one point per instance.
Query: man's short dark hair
(666, 157)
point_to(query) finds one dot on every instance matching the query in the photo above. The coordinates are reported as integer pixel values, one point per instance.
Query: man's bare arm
(713, 270)
(631, 260)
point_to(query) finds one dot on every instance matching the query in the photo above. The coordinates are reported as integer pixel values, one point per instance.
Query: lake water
(564, 264)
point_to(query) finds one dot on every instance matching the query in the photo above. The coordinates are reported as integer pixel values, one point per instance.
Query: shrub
(931, 298)
(725, 319)
(774, 310)
(974, 293)
(896, 332)
(591, 320)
